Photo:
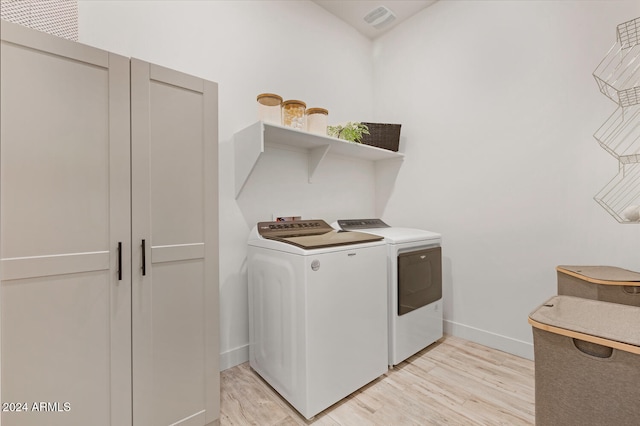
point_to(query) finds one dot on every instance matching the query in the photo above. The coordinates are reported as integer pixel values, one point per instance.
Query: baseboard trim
(234, 357)
(496, 341)
(516, 347)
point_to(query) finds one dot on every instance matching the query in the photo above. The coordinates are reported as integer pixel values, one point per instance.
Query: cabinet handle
(144, 259)
(119, 261)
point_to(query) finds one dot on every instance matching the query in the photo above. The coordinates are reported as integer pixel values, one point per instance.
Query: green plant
(350, 131)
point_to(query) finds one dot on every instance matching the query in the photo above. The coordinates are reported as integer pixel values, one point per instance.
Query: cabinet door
(65, 204)
(174, 200)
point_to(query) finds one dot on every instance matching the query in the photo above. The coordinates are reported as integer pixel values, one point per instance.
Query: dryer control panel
(349, 224)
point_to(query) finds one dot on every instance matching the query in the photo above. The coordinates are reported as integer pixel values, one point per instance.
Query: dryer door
(419, 278)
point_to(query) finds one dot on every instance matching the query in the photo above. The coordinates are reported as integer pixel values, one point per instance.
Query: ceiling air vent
(380, 17)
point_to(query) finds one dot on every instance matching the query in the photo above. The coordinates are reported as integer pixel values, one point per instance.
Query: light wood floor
(452, 382)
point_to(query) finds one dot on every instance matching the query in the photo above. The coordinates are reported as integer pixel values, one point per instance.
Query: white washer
(317, 311)
(415, 285)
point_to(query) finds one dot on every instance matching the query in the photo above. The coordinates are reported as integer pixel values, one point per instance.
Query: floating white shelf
(249, 144)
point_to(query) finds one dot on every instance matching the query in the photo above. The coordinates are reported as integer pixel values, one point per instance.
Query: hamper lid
(610, 275)
(591, 320)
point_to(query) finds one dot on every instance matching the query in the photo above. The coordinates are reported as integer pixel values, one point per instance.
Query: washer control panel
(295, 228)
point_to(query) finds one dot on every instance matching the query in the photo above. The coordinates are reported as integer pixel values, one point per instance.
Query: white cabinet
(174, 211)
(98, 153)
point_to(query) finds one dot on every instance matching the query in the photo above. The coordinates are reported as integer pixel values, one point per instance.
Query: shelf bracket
(316, 155)
(247, 150)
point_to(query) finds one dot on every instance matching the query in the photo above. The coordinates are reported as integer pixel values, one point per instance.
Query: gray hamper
(587, 362)
(606, 283)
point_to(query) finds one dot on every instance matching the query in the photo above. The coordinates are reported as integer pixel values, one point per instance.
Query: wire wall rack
(620, 196)
(628, 33)
(620, 134)
(618, 78)
(617, 74)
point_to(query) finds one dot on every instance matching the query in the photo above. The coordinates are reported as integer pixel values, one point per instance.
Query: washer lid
(311, 234)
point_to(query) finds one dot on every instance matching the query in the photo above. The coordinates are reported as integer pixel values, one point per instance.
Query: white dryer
(415, 285)
(317, 311)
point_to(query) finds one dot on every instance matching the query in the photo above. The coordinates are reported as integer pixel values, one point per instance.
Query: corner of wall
(487, 338)
(234, 357)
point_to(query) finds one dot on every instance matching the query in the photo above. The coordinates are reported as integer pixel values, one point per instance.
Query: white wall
(498, 107)
(293, 48)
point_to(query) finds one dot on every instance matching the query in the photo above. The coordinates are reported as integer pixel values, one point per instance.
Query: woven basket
(383, 135)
